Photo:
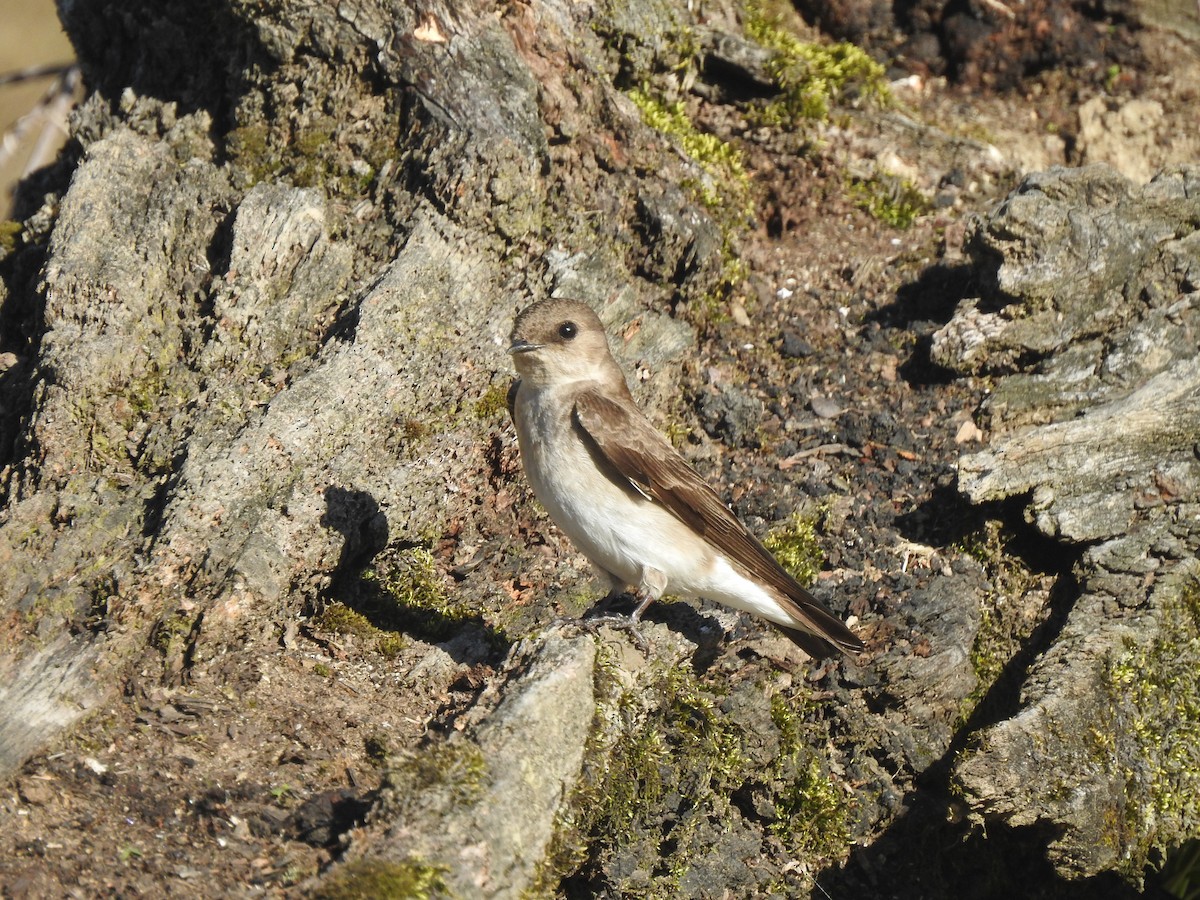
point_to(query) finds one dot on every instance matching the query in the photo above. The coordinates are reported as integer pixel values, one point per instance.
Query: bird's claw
(626, 624)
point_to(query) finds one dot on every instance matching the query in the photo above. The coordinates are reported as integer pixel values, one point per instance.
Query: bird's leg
(651, 588)
(645, 599)
(654, 584)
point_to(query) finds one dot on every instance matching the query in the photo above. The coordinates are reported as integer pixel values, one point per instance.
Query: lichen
(648, 37)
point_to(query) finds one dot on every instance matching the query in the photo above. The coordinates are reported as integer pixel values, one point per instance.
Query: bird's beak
(520, 345)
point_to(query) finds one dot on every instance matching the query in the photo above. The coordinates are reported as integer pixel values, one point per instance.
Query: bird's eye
(567, 331)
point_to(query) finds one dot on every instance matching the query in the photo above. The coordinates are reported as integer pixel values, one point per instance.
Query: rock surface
(279, 613)
(484, 804)
(1096, 290)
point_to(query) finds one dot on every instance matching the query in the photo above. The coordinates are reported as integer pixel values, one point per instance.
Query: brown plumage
(626, 498)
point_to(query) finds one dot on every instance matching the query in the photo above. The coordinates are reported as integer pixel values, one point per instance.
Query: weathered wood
(1101, 434)
(1092, 477)
(265, 324)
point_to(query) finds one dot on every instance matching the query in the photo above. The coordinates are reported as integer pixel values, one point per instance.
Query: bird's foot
(627, 624)
(592, 624)
(630, 624)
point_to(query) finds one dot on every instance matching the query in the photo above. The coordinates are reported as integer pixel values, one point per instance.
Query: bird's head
(560, 341)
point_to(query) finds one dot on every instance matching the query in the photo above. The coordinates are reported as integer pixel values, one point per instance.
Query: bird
(626, 498)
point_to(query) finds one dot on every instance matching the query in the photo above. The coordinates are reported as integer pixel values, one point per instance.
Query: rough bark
(260, 321)
(1095, 422)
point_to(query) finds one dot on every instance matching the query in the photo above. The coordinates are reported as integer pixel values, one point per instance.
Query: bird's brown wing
(511, 398)
(637, 452)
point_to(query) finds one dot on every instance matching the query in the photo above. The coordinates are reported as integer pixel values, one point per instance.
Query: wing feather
(643, 457)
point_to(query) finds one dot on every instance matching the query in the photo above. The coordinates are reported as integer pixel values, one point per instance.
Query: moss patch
(402, 591)
(10, 232)
(493, 402)
(665, 788)
(795, 545)
(413, 594)
(723, 187)
(341, 619)
(680, 768)
(812, 813)
(1156, 688)
(726, 185)
(889, 198)
(457, 766)
(371, 879)
(312, 153)
(1005, 623)
(812, 78)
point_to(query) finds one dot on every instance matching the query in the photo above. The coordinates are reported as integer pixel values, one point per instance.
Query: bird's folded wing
(640, 454)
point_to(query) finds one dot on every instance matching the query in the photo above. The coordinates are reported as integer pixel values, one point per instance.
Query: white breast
(613, 525)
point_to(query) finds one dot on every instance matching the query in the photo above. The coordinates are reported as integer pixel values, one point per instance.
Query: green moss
(402, 592)
(812, 78)
(322, 671)
(1156, 689)
(457, 766)
(418, 601)
(376, 746)
(372, 879)
(172, 633)
(657, 782)
(310, 159)
(812, 812)
(1004, 620)
(681, 763)
(1112, 77)
(341, 619)
(889, 198)
(248, 147)
(100, 732)
(310, 155)
(723, 187)
(676, 432)
(10, 231)
(390, 645)
(493, 402)
(795, 546)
